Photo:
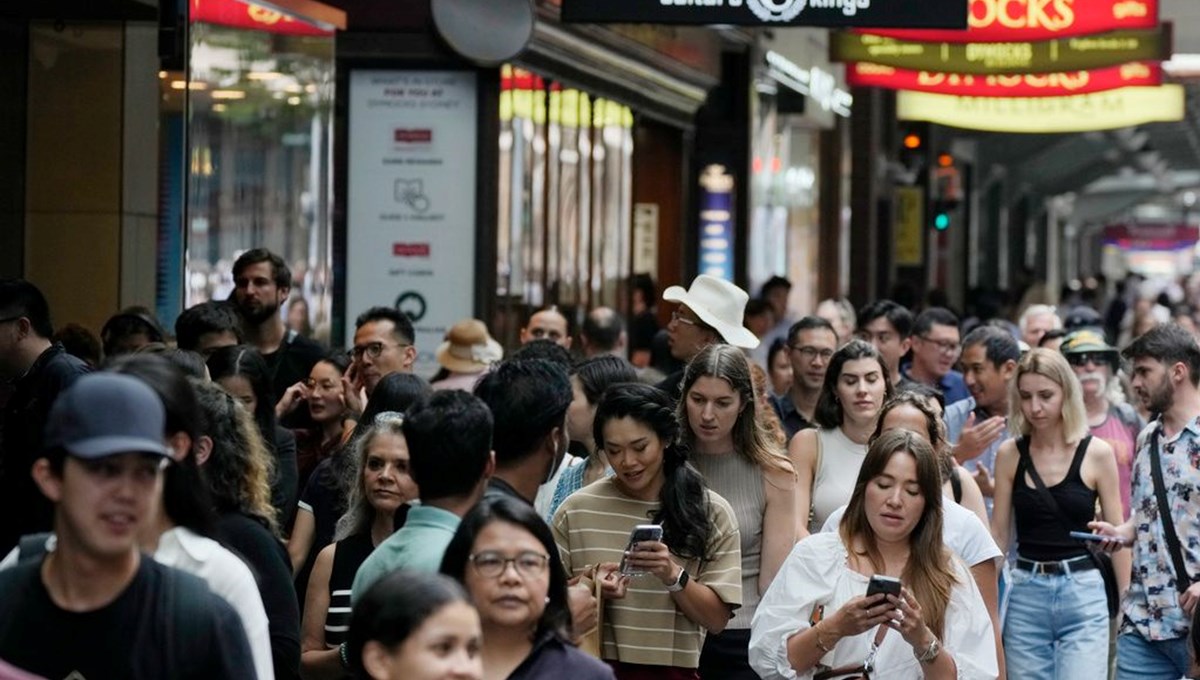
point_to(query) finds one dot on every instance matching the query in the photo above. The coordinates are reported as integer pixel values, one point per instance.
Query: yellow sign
(1118, 108)
(909, 242)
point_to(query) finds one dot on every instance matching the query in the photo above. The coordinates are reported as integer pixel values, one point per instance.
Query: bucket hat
(468, 348)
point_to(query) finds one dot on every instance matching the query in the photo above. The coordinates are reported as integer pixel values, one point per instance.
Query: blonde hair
(1052, 365)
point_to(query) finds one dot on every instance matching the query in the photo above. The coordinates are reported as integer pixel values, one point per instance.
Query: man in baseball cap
(94, 607)
(709, 311)
(1096, 363)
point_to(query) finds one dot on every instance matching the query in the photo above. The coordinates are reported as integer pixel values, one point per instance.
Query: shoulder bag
(861, 671)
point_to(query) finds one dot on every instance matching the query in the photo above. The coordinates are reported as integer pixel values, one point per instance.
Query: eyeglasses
(373, 349)
(1084, 358)
(12, 318)
(491, 564)
(809, 352)
(678, 316)
(944, 346)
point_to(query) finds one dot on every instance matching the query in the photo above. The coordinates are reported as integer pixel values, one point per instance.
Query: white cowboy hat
(719, 304)
(468, 348)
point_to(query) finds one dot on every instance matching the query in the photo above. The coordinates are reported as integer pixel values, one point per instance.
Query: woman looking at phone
(1056, 624)
(816, 619)
(719, 414)
(653, 625)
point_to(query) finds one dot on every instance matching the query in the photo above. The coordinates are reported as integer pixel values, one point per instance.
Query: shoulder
(804, 443)
(65, 368)
(966, 535)
(569, 660)
(307, 348)
(819, 553)
(1097, 447)
(718, 507)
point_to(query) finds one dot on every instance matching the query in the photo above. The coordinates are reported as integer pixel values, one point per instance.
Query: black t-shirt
(324, 498)
(138, 635)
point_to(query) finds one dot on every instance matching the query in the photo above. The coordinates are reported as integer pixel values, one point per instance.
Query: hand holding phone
(888, 585)
(1098, 538)
(642, 533)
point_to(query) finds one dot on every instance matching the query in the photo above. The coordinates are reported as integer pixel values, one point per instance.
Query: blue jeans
(1056, 627)
(1142, 659)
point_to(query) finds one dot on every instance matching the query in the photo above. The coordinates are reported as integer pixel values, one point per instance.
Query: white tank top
(840, 461)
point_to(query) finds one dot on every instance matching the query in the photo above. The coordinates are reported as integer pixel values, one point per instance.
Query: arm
(803, 452)
(698, 602)
(316, 661)
(779, 525)
(303, 532)
(1107, 483)
(1006, 469)
(984, 574)
(972, 497)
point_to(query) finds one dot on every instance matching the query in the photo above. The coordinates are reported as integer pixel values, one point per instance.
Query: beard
(257, 313)
(1161, 398)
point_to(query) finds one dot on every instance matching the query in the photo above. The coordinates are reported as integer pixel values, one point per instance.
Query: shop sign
(1138, 73)
(716, 222)
(247, 15)
(816, 83)
(1151, 236)
(834, 13)
(1022, 20)
(410, 214)
(1045, 56)
(645, 239)
(1078, 113)
(908, 248)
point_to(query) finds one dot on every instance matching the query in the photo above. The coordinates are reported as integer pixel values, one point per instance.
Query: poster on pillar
(410, 213)
(950, 14)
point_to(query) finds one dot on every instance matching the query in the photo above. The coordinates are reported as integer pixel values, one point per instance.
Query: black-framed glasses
(1084, 358)
(944, 346)
(491, 563)
(809, 352)
(12, 318)
(373, 349)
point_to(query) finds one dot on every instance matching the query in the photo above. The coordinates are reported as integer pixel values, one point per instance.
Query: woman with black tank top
(1056, 625)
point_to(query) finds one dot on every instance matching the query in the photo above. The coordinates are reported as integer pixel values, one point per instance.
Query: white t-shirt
(817, 573)
(226, 575)
(962, 532)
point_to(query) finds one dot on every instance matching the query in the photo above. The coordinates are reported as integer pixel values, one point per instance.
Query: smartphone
(888, 585)
(641, 533)
(1084, 536)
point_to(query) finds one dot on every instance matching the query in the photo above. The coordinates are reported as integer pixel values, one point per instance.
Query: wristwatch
(931, 652)
(680, 582)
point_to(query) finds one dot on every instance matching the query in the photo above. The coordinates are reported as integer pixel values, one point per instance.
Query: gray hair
(359, 511)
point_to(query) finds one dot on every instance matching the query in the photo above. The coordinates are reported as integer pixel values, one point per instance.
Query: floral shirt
(1152, 604)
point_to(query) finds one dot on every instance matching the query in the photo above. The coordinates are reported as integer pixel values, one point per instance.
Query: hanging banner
(1138, 73)
(834, 13)
(1080, 113)
(1046, 56)
(1023, 20)
(1151, 236)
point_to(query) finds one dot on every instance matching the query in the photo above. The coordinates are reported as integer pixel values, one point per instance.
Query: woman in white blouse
(815, 616)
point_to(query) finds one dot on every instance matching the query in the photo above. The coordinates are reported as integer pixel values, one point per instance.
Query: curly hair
(239, 468)
(935, 427)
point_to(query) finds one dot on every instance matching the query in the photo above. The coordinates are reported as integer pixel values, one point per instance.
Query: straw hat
(719, 304)
(468, 348)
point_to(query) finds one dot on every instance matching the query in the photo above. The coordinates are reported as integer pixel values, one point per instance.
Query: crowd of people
(883, 492)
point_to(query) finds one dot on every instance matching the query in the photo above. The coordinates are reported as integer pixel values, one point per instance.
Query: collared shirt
(956, 417)
(792, 420)
(498, 488)
(952, 386)
(419, 544)
(1151, 604)
(552, 657)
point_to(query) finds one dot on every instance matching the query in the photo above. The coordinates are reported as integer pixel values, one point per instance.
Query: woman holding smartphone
(654, 624)
(740, 462)
(1056, 624)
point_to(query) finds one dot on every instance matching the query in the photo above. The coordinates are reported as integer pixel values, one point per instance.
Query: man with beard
(262, 282)
(1095, 364)
(1158, 607)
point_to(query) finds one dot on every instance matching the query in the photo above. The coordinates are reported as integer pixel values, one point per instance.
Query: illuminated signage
(1151, 236)
(1138, 73)
(814, 82)
(836, 13)
(1045, 56)
(247, 15)
(1008, 20)
(1078, 113)
(716, 222)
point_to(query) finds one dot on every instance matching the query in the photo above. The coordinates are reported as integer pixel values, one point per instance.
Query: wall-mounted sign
(1138, 73)
(1079, 113)
(1023, 20)
(1046, 56)
(814, 82)
(838, 13)
(248, 15)
(908, 247)
(410, 213)
(716, 222)
(1151, 236)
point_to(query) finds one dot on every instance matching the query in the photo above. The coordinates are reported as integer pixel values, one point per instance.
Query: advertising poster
(780, 13)
(410, 220)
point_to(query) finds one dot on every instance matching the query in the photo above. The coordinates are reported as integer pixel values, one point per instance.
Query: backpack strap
(1182, 579)
(32, 547)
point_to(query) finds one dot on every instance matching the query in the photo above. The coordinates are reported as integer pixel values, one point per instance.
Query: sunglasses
(1084, 358)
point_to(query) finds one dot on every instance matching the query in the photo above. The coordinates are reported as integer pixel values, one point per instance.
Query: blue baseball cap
(107, 414)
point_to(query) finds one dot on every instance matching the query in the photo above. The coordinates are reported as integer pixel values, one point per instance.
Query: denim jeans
(1056, 627)
(1142, 659)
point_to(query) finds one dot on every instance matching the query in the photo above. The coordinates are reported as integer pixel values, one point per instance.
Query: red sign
(1151, 236)
(412, 136)
(410, 249)
(1024, 20)
(1137, 73)
(247, 15)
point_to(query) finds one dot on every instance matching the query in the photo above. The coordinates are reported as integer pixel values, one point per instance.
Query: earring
(547, 599)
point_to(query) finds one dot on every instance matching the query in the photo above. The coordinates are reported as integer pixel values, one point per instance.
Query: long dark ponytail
(683, 511)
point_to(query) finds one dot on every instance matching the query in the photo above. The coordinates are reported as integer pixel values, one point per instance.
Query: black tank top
(348, 556)
(1040, 533)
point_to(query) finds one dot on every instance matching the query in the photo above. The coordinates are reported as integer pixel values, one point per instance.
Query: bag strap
(32, 547)
(863, 669)
(1026, 465)
(1182, 579)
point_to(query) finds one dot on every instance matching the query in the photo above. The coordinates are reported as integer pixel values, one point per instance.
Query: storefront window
(565, 199)
(258, 129)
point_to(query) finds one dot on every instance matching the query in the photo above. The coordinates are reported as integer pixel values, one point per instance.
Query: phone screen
(641, 533)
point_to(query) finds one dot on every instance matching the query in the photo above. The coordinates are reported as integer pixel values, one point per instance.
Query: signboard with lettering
(1078, 113)
(1046, 56)
(835, 13)
(1022, 20)
(248, 15)
(1138, 73)
(716, 222)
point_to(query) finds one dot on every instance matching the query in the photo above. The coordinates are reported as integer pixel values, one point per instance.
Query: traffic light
(941, 218)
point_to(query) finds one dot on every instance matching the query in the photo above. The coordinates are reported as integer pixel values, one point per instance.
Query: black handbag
(1102, 559)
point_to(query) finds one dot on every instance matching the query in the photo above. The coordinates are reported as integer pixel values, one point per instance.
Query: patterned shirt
(1152, 604)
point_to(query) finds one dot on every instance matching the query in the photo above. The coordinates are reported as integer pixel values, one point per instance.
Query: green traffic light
(941, 222)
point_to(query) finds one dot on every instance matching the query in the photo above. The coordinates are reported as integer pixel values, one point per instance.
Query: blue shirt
(419, 545)
(792, 420)
(952, 386)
